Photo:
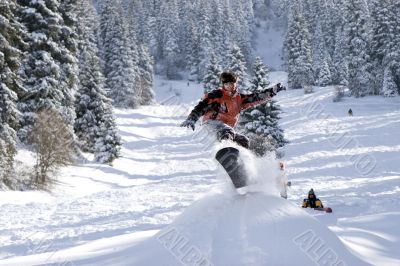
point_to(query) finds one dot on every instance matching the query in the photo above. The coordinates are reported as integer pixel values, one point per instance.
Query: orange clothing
(225, 106)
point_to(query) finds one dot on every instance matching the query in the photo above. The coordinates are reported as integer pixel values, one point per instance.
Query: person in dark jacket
(220, 108)
(312, 201)
(350, 112)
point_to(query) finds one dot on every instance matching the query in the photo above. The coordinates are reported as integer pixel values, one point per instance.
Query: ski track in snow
(164, 169)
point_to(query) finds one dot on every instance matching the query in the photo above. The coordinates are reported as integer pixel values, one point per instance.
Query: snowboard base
(232, 163)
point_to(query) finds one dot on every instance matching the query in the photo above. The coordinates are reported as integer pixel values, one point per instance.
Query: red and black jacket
(225, 106)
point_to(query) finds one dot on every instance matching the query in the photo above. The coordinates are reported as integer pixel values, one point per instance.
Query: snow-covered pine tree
(192, 52)
(85, 125)
(8, 122)
(7, 154)
(185, 18)
(339, 69)
(243, 25)
(321, 58)
(168, 29)
(218, 30)
(382, 28)
(68, 40)
(11, 33)
(139, 41)
(226, 30)
(298, 50)
(134, 54)
(396, 51)
(389, 87)
(310, 12)
(108, 142)
(384, 45)
(384, 23)
(146, 76)
(171, 56)
(323, 74)
(11, 43)
(93, 107)
(205, 38)
(329, 24)
(237, 64)
(357, 47)
(147, 21)
(182, 34)
(119, 71)
(261, 122)
(49, 70)
(260, 78)
(211, 79)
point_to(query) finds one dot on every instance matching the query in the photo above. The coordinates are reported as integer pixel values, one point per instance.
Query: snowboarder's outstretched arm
(206, 104)
(250, 100)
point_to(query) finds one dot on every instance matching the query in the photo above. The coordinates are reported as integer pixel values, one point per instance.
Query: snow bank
(254, 229)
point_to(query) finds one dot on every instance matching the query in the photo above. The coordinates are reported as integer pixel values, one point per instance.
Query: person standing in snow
(312, 201)
(221, 108)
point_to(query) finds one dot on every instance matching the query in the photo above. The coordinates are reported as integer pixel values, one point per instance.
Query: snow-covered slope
(219, 229)
(351, 162)
(254, 229)
(167, 187)
(238, 230)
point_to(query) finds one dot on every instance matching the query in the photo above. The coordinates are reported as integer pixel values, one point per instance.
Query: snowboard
(232, 163)
(328, 210)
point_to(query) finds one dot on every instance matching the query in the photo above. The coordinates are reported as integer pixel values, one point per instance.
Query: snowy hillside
(166, 188)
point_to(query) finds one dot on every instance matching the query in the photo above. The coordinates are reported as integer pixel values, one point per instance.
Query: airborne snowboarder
(221, 108)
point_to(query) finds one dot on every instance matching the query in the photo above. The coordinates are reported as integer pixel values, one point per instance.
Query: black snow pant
(225, 132)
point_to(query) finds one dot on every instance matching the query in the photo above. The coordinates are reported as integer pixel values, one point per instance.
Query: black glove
(280, 87)
(188, 123)
(277, 88)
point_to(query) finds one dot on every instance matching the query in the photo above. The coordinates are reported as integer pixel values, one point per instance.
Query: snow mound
(251, 229)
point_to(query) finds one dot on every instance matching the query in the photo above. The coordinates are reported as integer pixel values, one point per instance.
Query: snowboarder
(282, 181)
(221, 107)
(312, 201)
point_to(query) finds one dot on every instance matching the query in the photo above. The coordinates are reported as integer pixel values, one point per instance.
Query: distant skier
(350, 112)
(312, 201)
(221, 108)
